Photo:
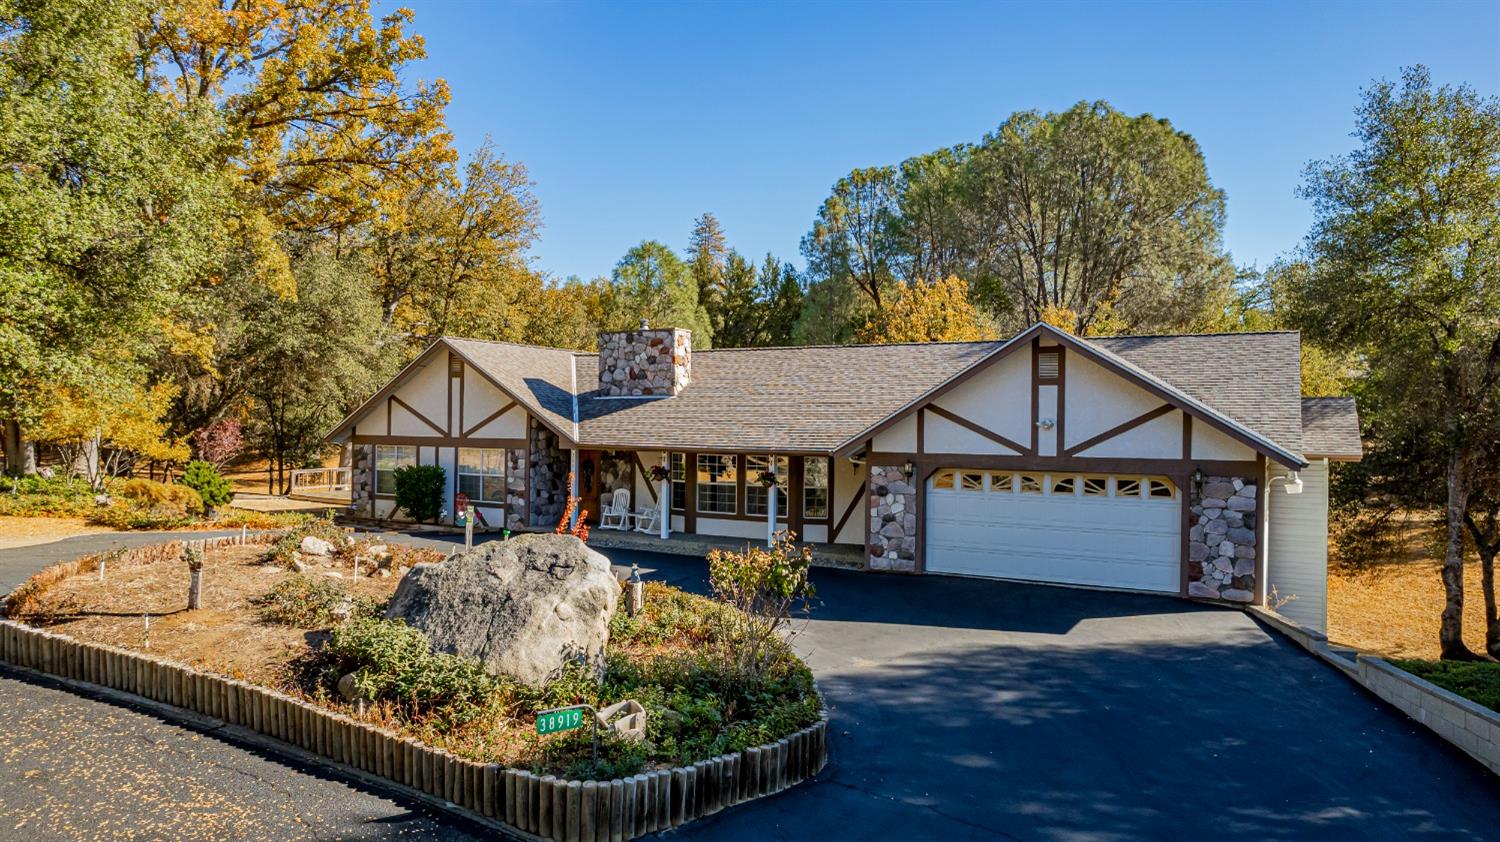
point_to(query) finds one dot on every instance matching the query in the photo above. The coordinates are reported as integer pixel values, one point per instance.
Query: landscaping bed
(300, 632)
(132, 504)
(1477, 681)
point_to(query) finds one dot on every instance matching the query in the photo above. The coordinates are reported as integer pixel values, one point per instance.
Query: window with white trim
(481, 474)
(755, 493)
(815, 488)
(678, 472)
(718, 484)
(389, 457)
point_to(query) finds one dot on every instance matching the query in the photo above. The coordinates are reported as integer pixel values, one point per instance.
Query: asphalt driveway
(961, 709)
(975, 709)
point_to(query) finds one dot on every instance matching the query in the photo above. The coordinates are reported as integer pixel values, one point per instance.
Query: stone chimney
(637, 363)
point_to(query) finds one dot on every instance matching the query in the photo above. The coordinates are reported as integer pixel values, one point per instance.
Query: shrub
(393, 662)
(310, 603)
(1477, 681)
(419, 491)
(205, 479)
(39, 496)
(150, 494)
(764, 586)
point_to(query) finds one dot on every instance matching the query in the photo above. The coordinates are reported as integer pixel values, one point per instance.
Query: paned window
(389, 457)
(945, 479)
(1096, 486)
(679, 482)
(718, 484)
(1065, 485)
(1001, 483)
(815, 488)
(481, 474)
(756, 494)
(1127, 487)
(1030, 484)
(1161, 487)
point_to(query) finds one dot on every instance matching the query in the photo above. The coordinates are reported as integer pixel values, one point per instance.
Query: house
(1186, 465)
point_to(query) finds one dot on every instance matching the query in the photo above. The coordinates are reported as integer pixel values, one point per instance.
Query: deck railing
(321, 482)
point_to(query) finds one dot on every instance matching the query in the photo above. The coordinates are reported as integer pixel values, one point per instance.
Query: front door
(588, 483)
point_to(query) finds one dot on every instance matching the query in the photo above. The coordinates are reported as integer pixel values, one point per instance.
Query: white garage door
(1112, 531)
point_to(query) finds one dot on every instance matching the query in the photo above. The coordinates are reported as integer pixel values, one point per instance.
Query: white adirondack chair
(616, 514)
(648, 519)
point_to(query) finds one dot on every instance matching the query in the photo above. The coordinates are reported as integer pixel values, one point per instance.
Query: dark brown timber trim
(921, 429)
(439, 441)
(641, 466)
(488, 418)
(1119, 428)
(854, 503)
(971, 426)
(1036, 398)
(420, 417)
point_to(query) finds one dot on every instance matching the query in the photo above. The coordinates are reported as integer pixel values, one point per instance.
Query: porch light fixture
(1046, 423)
(909, 468)
(1293, 482)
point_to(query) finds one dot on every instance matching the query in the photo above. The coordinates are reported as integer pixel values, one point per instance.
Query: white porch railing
(321, 481)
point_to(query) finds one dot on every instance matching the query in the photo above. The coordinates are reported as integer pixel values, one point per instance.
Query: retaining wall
(542, 805)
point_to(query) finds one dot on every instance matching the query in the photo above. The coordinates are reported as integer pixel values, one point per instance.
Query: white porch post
(573, 486)
(771, 517)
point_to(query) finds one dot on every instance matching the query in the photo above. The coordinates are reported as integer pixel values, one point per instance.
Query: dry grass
(1393, 608)
(16, 531)
(227, 636)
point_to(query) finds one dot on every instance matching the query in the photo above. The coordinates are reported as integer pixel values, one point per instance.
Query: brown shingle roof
(1254, 379)
(798, 399)
(1330, 428)
(815, 399)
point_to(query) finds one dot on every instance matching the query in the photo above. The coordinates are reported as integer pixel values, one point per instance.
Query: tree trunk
(195, 590)
(87, 463)
(20, 454)
(1450, 634)
(1491, 619)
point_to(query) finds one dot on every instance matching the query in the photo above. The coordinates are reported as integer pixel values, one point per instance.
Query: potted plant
(766, 478)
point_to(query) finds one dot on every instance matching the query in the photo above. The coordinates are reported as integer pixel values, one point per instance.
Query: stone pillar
(362, 478)
(1222, 539)
(516, 504)
(547, 467)
(893, 520)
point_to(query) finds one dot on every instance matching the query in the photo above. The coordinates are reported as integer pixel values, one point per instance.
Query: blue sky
(633, 119)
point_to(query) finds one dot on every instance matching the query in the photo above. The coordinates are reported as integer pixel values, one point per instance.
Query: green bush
(210, 485)
(310, 603)
(393, 662)
(419, 491)
(1477, 681)
(38, 496)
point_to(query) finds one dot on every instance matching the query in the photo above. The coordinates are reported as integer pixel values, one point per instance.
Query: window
(944, 479)
(1065, 485)
(481, 474)
(1127, 487)
(1001, 483)
(971, 481)
(1031, 484)
(815, 488)
(1161, 487)
(1096, 486)
(717, 484)
(389, 457)
(755, 493)
(679, 482)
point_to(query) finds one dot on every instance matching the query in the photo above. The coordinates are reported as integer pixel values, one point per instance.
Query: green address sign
(552, 722)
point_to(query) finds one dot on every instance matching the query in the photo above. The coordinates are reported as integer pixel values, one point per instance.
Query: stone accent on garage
(893, 520)
(548, 470)
(1222, 539)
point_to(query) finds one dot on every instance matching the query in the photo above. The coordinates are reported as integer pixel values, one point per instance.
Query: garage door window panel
(1064, 485)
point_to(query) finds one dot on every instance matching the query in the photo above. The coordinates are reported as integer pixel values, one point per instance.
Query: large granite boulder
(525, 607)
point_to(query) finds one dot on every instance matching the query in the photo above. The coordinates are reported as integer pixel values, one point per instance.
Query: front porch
(680, 543)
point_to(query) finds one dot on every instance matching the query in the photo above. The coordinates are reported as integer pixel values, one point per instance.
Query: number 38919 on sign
(559, 720)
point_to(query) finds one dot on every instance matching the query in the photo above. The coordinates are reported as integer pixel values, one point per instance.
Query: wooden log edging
(543, 807)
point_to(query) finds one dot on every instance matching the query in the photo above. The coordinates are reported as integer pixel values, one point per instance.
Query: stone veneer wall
(1222, 539)
(516, 504)
(548, 470)
(893, 520)
(362, 477)
(645, 362)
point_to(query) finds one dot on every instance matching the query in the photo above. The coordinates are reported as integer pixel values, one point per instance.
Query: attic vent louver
(1046, 365)
(455, 365)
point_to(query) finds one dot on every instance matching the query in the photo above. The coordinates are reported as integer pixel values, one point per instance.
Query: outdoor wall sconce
(909, 468)
(1046, 423)
(1293, 482)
